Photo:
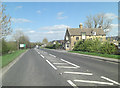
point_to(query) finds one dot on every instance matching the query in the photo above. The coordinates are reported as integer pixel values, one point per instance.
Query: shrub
(95, 45)
(108, 48)
(4, 47)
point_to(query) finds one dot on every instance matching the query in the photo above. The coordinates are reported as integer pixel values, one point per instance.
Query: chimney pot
(100, 27)
(80, 26)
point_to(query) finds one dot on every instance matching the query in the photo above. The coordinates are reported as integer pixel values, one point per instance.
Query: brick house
(72, 35)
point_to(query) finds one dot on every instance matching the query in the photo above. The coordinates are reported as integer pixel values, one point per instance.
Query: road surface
(43, 67)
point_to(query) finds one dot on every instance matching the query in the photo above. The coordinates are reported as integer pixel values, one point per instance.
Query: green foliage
(95, 45)
(8, 46)
(45, 41)
(7, 58)
(4, 47)
(54, 46)
(108, 48)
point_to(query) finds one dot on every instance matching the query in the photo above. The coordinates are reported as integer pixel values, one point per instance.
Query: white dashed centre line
(110, 80)
(79, 73)
(72, 84)
(95, 82)
(38, 52)
(42, 56)
(51, 65)
(70, 63)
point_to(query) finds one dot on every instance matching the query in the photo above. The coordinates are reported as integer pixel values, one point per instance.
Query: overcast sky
(50, 19)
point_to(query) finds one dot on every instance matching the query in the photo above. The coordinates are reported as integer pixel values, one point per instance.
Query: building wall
(73, 40)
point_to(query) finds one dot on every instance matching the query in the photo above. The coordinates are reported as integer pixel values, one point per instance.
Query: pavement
(43, 67)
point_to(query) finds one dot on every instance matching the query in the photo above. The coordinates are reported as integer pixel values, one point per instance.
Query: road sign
(22, 45)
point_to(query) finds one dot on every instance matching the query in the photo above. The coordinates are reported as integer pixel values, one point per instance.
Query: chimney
(80, 26)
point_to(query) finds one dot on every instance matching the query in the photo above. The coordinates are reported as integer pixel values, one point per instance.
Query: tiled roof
(88, 31)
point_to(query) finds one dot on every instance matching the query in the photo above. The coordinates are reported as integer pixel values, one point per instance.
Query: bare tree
(5, 22)
(98, 20)
(21, 38)
(45, 41)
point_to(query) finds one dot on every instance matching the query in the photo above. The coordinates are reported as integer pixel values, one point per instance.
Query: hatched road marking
(51, 65)
(72, 84)
(70, 63)
(110, 80)
(66, 67)
(79, 73)
(95, 82)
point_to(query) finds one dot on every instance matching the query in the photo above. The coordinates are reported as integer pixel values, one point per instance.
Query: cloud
(55, 27)
(19, 7)
(114, 25)
(54, 32)
(31, 31)
(111, 15)
(38, 11)
(20, 20)
(60, 15)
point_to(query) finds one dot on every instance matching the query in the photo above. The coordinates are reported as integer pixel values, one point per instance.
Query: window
(83, 35)
(67, 44)
(90, 38)
(77, 38)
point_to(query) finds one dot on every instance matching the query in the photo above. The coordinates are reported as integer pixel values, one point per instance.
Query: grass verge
(97, 54)
(7, 58)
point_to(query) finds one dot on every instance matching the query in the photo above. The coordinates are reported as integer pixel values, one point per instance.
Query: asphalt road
(43, 67)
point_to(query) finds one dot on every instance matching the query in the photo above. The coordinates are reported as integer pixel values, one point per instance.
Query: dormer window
(83, 35)
(93, 33)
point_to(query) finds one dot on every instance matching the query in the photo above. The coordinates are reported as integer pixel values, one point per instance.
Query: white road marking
(95, 82)
(42, 56)
(51, 65)
(70, 63)
(72, 84)
(79, 73)
(52, 55)
(110, 80)
(38, 52)
(66, 67)
(59, 63)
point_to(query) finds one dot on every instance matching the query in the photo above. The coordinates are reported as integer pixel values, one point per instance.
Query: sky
(49, 20)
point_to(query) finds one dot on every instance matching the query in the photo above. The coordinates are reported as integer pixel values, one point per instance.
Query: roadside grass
(7, 58)
(97, 54)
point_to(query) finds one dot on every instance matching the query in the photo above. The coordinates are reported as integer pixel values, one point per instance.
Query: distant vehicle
(37, 46)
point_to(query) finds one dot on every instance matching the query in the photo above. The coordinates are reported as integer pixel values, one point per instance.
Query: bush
(95, 45)
(54, 46)
(4, 47)
(108, 48)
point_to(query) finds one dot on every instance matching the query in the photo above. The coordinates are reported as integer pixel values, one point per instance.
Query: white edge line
(79, 73)
(71, 83)
(70, 63)
(42, 56)
(51, 65)
(110, 80)
(95, 82)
